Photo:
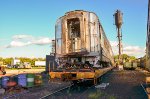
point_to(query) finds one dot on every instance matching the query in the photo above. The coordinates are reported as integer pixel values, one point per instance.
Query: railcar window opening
(73, 26)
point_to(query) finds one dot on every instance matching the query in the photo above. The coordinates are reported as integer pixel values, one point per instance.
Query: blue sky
(27, 26)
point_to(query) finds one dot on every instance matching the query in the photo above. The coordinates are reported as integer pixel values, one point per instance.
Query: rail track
(128, 81)
(73, 91)
(50, 94)
(70, 92)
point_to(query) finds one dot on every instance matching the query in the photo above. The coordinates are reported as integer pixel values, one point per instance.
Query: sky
(28, 26)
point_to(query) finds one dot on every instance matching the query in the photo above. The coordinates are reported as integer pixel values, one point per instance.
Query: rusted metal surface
(80, 74)
(81, 43)
(81, 31)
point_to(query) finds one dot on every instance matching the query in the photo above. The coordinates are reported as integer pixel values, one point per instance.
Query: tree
(22, 60)
(125, 57)
(7, 61)
(1, 59)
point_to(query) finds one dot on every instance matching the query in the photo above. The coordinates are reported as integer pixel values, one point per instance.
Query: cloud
(131, 48)
(18, 44)
(25, 40)
(21, 36)
(42, 41)
(134, 50)
(128, 49)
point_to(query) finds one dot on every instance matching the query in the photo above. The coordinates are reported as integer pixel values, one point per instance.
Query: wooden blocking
(148, 90)
(148, 95)
(147, 80)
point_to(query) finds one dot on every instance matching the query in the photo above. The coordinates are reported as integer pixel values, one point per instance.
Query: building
(40, 63)
(15, 62)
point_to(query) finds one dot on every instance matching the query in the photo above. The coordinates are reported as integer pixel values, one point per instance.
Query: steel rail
(55, 92)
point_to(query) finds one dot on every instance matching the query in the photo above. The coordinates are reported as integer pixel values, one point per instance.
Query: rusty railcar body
(80, 38)
(148, 39)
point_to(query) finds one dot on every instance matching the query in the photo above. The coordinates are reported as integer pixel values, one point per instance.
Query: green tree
(125, 57)
(7, 60)
(1, 59)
